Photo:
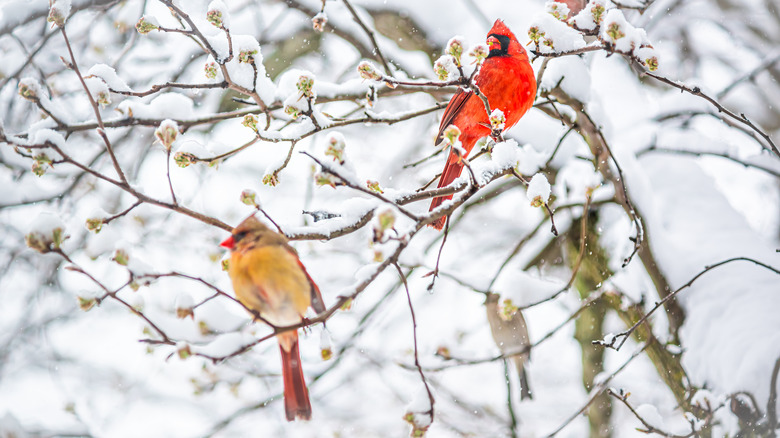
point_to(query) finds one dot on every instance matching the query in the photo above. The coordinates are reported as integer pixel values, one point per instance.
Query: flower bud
(29, 89)
(374, 186)
(534, 33)
(146, 25)
(184, 159)
(248, 197)
(46, 234)
(442, 67)
(336, 147)
(497, 120)
(94, 224)
(271, 179)
(214, 16)
(614, 31)
(507, 309)
(86, 303)
(121, 257)
(58, 12)
(443, 352)
(558, 10)
(455, 49)
(325, 179)
(183, 350)
(211, 70)
(651, 63)
(305, 85)
(479, 53)
(247, 56)
(366, 70)
(597, 12)
(292, 111)
(538, 191)
(167, 132)
(319, 21)
(384, 220)
(184, 306)
(451, 134)
(326, 345)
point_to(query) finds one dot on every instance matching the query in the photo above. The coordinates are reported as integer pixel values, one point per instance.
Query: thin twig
(619, 339)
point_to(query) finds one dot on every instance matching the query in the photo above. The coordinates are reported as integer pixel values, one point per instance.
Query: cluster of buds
(384, 220)
(420, 423)
(374, 186)
(326, 345)
(538, 191)
(614, 31)
(94, 224)
(441, 68)
(214, 16)
(292, 111)
(271, 179)
(185, 306)
(248, 197)
(558, 10)
(319, 21)
(41, 163)
(247, 56)
(367, 71)
(507, 309)
(325, 179)
(103, 98)
(651, 63)
(535, 34)
(305, 86)
(29, 89)
(497, 120)
(210, 69)
(146, 24)
(183, 350)
(45, 242)
(86, 302)
(455, 49)
(443, 352)
(250, 121)
(167, 132)
(184, 159)
(121, 257)
(479, 53)
(450, 135)
(336, 148)
(58, 12)
(597, 12)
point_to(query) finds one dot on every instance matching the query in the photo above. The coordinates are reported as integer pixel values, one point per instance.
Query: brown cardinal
(511, 336)
(507, 80)
(270, 280)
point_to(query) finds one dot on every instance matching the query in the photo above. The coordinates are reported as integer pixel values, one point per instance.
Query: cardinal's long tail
(296, 396)
(452, 171)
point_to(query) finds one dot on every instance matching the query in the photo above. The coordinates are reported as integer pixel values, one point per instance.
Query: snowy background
(698, 185)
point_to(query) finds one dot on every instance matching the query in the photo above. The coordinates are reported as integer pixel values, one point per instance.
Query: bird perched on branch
(270, 280)
(507, 79)
(511, 336)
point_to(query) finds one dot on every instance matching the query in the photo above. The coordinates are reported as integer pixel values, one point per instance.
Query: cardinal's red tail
(452, 171)
(296, 396)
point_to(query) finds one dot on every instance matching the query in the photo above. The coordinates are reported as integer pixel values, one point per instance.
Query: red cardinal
(270, 280)
(508, 81)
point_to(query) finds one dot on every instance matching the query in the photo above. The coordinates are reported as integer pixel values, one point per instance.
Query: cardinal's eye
(238, 236)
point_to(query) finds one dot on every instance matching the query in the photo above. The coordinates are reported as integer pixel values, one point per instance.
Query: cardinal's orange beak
(228, 243)
(493, 43)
